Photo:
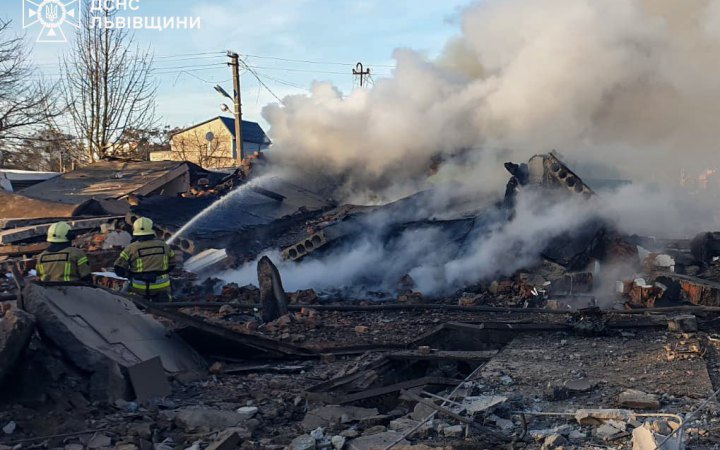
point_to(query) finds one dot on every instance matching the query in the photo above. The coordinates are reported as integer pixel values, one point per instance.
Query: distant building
(211, 144)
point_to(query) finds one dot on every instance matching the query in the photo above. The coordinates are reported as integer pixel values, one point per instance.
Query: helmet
(58, 233)
(143, 227)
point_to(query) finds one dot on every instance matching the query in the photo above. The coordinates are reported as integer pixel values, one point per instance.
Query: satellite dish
(210, 136)
(224, 108)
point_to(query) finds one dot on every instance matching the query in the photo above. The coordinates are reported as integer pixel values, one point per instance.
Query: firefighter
(147, 262)
(62, 263)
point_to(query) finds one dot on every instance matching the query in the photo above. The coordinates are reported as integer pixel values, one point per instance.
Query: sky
(334, 35)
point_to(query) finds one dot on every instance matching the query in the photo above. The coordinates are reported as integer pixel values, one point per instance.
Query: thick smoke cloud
(627, 83)
(622, 88)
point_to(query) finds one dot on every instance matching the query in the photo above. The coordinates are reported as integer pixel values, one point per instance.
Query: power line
(162, 60)
(190, 69)
(306, 61)
(193, 66)
(200, 78)
(255, 74)
(210, 55)
(195, 58)
(276, 58)
(284, 82)
(157, 71)
(189, 54)
(287, 69)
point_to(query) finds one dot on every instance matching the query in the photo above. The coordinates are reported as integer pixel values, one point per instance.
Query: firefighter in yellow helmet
(62, 263)
(147, 262)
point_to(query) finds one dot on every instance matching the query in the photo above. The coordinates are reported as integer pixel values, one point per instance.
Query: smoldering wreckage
(550, 352)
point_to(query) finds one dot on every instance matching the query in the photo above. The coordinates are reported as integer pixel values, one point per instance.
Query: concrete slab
(114, 326)
(149, 380)
(105, 334)
(206, 261)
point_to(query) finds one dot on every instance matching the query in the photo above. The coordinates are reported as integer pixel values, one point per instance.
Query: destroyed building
(546, 352)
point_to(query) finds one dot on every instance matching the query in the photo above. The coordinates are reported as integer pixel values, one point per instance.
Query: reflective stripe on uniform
(161, 282)
(139, 264)
(153, 286)
(68, 268)
(124, 255)
(64, 266)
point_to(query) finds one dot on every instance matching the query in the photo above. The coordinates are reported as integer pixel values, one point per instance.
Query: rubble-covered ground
(582, 338)
(266, 401)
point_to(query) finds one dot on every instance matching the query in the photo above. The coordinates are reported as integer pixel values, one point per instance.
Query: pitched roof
(251, 131)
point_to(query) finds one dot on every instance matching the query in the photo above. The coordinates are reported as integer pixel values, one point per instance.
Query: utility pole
(358, 71)
(235, 65)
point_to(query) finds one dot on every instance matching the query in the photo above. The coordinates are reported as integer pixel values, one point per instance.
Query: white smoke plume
(626, 86)
(627, 83)
(499, 248)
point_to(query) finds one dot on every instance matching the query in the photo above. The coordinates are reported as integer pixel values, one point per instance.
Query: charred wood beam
(366, 308)
(29, 232)
(544, 327)
(429, 307)
(380, 365)
(380, 391)
(442, 355)
(19, 250)
(260, 343)
(255, 368)
(360, 349)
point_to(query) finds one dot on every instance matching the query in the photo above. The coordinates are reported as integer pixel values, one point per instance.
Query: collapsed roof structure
(113, 179)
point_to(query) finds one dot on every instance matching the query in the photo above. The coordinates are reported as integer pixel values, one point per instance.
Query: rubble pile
(555, 354)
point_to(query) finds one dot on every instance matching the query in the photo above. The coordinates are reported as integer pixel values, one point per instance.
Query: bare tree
(195, 147)
(48, 149)
(138, 144)
(25, 102)
(107, 85)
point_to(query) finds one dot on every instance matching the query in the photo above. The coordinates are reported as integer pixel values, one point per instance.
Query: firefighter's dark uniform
(146, 263)
(63, 265)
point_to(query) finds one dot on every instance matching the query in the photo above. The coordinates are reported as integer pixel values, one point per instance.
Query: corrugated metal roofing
(101, 180)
